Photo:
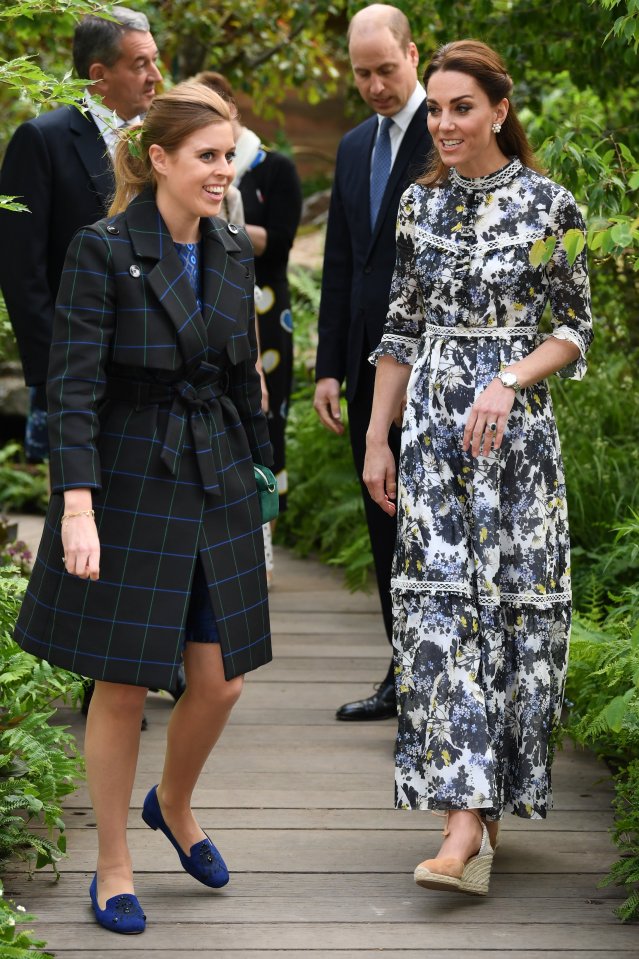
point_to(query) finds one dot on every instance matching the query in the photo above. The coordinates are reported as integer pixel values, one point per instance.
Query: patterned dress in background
(481, 585)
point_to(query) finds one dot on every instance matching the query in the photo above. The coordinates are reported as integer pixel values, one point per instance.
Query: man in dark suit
(375, 163)
(59, 166)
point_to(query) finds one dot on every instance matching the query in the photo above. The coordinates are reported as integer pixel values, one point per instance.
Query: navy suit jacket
(59, 166)
(358, 262)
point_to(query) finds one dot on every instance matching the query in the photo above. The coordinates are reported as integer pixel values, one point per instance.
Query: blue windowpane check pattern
(189, 253)
(381, 167)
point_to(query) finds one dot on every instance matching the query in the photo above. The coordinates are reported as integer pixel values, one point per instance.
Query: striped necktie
(381, 167)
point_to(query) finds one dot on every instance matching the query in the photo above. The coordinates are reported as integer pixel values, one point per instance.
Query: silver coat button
(233, 229)
(135, 270)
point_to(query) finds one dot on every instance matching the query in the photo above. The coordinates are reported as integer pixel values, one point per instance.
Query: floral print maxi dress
(481, 580)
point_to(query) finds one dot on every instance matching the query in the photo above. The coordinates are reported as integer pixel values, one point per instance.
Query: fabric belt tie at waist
(190, 406)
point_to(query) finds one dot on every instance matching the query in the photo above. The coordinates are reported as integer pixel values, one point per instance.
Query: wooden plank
(351, 819)
(194, 906)
(305, 850)
(311, 601)
(298, 887)
(166, 933)
(140, 952)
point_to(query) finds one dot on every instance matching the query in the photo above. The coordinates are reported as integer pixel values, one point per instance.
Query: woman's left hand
(491, 407)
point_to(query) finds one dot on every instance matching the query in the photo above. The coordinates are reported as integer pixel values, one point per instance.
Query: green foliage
(325, 515)
(39, 763)
(603, 692)
(625, 872)
(17, 943)
(22, 485)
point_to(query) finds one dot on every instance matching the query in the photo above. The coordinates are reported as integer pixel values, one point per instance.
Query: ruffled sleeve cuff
(576, 370)
(403, 349)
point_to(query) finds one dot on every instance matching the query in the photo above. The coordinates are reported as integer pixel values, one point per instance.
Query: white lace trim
(527, 598)
(566, 333)
(480, 248)
(500, 332)
(490, 182)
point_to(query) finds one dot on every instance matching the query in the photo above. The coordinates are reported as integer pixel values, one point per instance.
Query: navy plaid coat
(157, 407)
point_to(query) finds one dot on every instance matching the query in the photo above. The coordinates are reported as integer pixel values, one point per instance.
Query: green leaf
(573, 243)
(542, 250)
(621, 234)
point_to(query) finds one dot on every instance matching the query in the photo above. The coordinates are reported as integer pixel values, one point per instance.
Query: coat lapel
(167, 278)
(93, 154)
(227, 290)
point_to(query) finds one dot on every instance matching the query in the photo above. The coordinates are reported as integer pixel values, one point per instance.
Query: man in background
(375, 163)
(59, 166)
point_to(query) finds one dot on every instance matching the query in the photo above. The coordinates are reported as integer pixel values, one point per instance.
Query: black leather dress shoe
(381, 705)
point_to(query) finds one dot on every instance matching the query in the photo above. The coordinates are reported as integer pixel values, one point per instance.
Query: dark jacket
(358, 263)
(157, 408)
(59, 166)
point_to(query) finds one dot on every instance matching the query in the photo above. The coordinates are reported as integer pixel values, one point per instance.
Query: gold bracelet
(82, 512)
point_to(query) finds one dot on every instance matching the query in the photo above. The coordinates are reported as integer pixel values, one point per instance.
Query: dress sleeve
(569, 286)
(405, 317)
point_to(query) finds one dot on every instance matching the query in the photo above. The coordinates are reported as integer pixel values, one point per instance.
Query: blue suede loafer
(121, 914)
(204, 862)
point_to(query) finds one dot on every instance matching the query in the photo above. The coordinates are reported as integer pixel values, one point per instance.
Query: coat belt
(191, 406)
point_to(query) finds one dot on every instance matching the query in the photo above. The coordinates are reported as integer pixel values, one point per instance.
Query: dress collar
(491, 182)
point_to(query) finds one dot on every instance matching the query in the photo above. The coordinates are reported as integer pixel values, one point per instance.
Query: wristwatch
(510, 380)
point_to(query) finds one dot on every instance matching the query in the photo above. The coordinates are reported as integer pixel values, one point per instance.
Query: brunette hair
(216, 81)
(481, 62)
(172, 117)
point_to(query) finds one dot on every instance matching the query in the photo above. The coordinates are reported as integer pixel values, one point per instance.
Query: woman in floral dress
(481, 585)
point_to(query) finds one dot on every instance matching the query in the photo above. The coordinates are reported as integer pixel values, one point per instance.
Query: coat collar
(196, 332)
(93, 153)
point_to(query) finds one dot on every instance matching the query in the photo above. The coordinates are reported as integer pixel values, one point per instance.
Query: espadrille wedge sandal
(447, 873)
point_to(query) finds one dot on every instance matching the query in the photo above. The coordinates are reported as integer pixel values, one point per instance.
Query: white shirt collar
(406, 114)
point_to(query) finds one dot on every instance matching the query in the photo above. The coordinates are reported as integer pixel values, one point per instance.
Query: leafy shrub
(14, 942)
(39, 763)
(603, 692)
(325, 514)
(23, 486)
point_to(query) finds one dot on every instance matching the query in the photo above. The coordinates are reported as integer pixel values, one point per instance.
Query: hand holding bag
(267, 492)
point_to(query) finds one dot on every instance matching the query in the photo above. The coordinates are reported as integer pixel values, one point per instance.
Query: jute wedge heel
(471, 877)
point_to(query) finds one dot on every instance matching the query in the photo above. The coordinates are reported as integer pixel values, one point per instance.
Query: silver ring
(492, 427)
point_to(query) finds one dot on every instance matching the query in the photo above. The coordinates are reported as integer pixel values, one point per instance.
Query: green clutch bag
(267, 492)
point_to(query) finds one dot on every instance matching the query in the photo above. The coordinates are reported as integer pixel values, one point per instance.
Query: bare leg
(111, 745)
(464, 836)
(196, 724)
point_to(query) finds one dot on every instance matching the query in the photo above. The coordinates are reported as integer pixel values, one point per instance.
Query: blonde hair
(481, 62)
(172, 117)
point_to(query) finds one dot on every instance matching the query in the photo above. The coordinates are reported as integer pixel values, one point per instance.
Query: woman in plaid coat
(152, 551)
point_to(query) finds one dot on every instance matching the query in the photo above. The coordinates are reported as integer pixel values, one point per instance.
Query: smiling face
(193, 179)
(129, 85)
(385, 75)
(460, 119)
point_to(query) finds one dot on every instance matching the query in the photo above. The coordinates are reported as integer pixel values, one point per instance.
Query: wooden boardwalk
(321, 864)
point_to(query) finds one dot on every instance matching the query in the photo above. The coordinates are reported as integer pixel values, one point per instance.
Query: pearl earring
(496, 127)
